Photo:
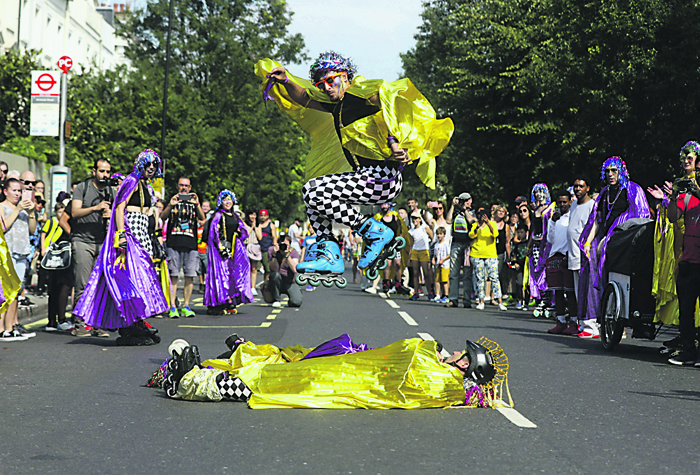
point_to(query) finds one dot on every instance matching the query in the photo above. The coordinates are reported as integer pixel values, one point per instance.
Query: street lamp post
(165, 89)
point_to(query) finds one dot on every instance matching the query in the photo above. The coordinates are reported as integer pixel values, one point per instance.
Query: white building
(77, 28)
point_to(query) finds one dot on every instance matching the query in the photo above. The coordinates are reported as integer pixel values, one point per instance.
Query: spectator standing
(420, 256)
(266, 231)
(183, 212)
(560, 279)
(500, 217)
(18, 220)
(283, 264)
(91, 209)
(202, 246)
(484, 258)
(296, 233)
(442, 266)
(253, 248)
(59, 282)
(461, 219)
(579, 213)
(516, 266)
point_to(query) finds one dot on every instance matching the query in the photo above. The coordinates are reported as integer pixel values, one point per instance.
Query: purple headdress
(331, 61)
(616, 162)
(223, 195)
(144, 158)
(118, 175)
(541, 187)
(689, 148)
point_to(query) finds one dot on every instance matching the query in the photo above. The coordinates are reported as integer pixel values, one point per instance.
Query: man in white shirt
(296, 233)
(559, 278)
(578, 217)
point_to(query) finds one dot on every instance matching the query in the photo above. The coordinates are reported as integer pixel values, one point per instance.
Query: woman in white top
(19, 221)
(420, 255)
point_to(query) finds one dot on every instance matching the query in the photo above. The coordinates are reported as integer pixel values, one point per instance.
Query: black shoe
(683, 359)
(674, 344)
(451, 305)
(468, 305)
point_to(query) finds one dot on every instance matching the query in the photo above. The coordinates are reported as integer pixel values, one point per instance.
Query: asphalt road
(79, 406)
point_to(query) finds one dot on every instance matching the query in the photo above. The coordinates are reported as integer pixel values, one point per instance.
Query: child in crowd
(516, 266)
(441, 262)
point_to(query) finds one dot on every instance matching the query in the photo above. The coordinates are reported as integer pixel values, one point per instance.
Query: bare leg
(173, 289)
(189, 285)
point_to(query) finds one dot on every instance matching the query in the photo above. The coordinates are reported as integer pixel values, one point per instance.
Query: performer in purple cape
(228, 273)
(539, 247)
(123, 289)
(620, 200)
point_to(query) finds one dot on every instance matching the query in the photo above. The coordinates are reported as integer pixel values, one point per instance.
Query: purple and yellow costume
(228, 278)
(123, 289)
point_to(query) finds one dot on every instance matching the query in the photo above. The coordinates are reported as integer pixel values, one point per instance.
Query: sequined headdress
(492, 393)
(691, 147)
(616, 162)
(223, 195)
(144, 158)
(543, 187)
(331, 61)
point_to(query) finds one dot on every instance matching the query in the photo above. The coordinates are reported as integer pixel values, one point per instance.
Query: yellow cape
(403, 375)
(8, 277)
(404, 111)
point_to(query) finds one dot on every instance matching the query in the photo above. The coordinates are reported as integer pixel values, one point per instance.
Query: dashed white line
(392, 304)
(408, 319)
(516, 418)
(428, 336)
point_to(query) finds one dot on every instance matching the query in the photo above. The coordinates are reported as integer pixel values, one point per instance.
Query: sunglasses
(27, 182)
(329, 80)
(4, 170)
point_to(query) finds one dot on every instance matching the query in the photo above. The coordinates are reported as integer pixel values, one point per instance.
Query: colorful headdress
(331, 61)
(144, 158)
(691, 147)
(223, 195)
(541, 187)
(493, 393)
(616, 162)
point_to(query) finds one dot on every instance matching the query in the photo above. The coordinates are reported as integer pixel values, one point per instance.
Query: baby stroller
(627, 299)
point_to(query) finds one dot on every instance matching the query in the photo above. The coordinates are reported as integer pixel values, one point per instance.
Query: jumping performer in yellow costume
(363, 133)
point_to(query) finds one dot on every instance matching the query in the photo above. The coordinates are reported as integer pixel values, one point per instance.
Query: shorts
(558, 274)
(420, 256)
(185, 259)
(203, 263)
(443, 275)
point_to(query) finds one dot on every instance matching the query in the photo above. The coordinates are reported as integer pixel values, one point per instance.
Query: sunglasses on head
(329, 80)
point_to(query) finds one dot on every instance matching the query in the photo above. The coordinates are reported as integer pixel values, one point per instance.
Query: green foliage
(15, 92)
(542, 90)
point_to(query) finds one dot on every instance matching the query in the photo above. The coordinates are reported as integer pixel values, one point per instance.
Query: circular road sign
(65, 63)
(45, 82)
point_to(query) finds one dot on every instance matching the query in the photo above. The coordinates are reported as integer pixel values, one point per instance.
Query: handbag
(57, 257)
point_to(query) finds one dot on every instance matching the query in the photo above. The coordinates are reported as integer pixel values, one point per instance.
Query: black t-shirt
(182, 227)
(607, 214)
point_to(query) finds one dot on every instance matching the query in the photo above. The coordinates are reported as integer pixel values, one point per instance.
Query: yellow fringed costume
(668, 250)
(405, 114)
(404, 375)
(8, 277)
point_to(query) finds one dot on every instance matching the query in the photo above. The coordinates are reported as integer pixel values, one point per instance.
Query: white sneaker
(255, 292)
(277, 304)
(371, 290)
(50, 329)
(502, 307)
(68, 326)
(480, 306)
(12, 336)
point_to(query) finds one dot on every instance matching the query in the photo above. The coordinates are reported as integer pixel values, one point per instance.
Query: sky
(371, 32)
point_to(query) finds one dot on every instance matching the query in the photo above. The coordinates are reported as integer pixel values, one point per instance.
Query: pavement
(78, 405)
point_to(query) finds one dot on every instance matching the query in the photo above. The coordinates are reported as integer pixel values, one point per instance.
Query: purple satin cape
(538, 276)
(228, 280)
(115, 297)
(592, 279)
(341, 345)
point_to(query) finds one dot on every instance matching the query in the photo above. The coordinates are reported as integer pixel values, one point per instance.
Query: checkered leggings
(138, 224)
(330, 197)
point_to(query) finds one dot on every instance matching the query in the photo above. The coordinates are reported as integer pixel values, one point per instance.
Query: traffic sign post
(44, 109)
(64, 64)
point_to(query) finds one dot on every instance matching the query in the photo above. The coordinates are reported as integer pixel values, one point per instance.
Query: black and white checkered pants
(330, 197)
(138, 224)
(233, 389)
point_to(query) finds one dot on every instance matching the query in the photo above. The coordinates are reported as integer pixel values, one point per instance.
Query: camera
(283, 247)
(683, 185)
(110, 181)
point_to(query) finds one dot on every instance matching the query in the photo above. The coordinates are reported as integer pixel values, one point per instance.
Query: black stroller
(627, 299)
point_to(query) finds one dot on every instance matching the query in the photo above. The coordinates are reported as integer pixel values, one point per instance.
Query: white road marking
(408, 319)
(392, 304)
(516, 418)
(262, 325)
(383, 295)
(428, 336)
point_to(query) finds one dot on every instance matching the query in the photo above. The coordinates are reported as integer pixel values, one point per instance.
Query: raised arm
(296, 92)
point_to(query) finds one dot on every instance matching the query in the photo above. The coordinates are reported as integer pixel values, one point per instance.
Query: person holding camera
(91, 210)
(484, 257)
(124, 289)
(228, 271)
(182, 214)
(461, 218)
(283, 268)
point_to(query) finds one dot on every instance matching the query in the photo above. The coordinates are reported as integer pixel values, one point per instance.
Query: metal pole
(19, 23)
(165, 90)
(62, 128)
